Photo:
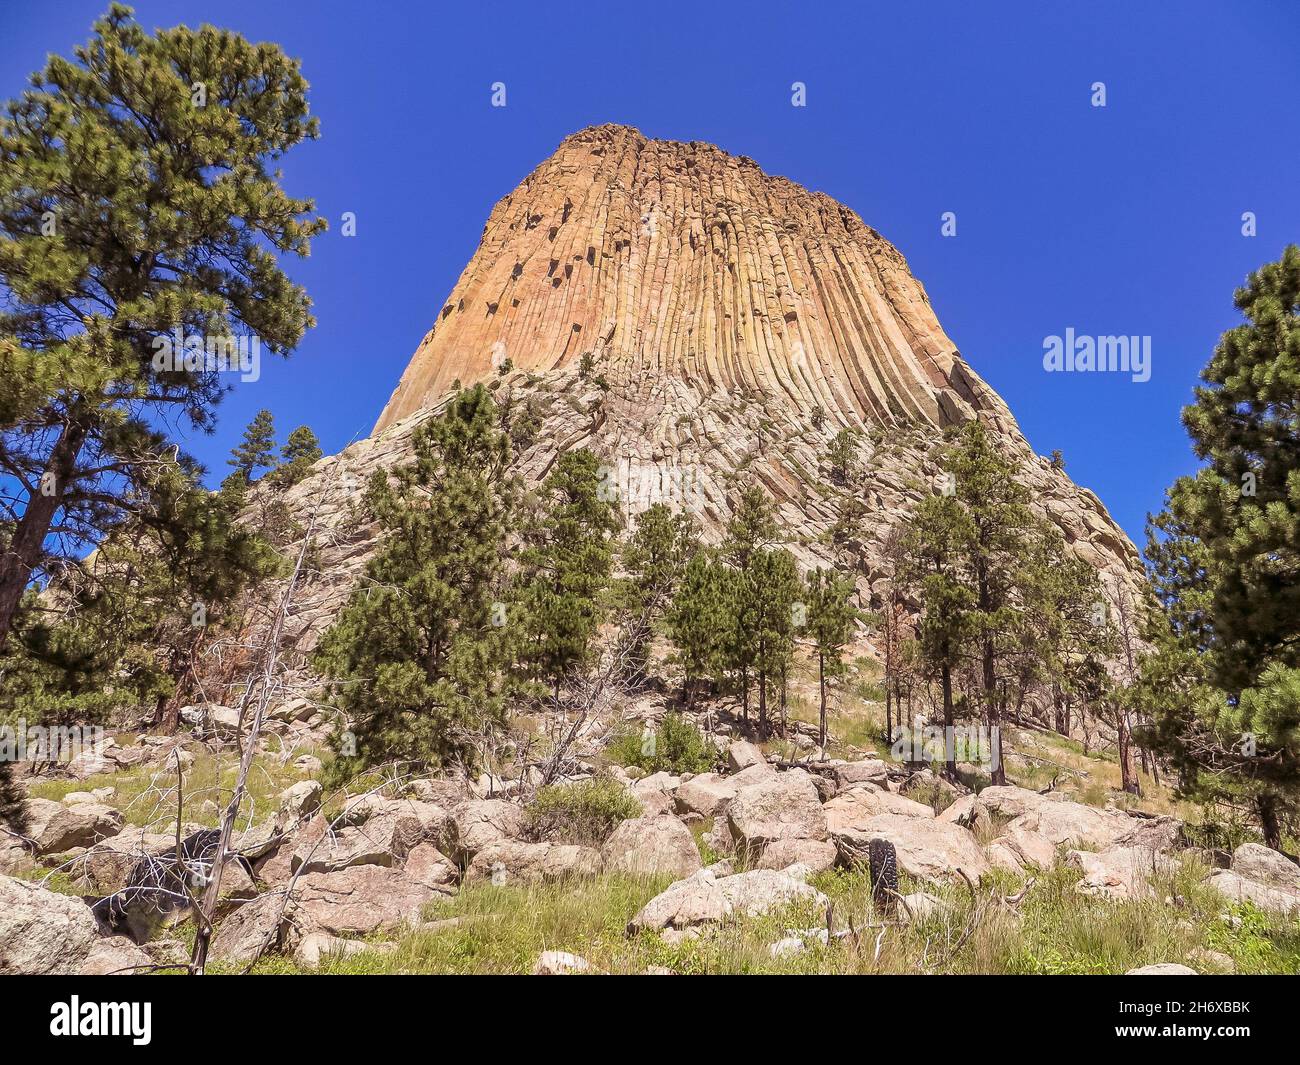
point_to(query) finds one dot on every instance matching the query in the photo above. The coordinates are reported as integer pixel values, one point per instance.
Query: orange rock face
(680, 260)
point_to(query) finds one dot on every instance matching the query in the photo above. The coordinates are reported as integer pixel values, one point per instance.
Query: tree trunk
(889, 720)
(821, 718)
(993, 712)
(784, 718)
(762, 703)
(1266, 811)
(24, 551)
(950, 756)
(1122, 738)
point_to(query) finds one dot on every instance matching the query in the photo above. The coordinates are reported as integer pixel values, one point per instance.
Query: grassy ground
(487, 929)
(1053, 930)
(147, 796)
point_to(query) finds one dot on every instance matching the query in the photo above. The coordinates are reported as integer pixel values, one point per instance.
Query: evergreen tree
(654, 559)
(137, 206)
(844, 456)
(417, 657)
(256, 451)
(657, 552)
(830, 624)
(997, 547)
(932, 568)
(750, 532)
(1225, 559)
(13, 802)
(124, 627)
(1245, 506)
(567, 568)
(1223, 750)
(298, 455)
(1065, 640)
(701, 617)
(770, 587)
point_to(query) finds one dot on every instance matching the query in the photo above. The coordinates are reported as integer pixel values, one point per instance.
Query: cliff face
(686, 262)
(735, 323)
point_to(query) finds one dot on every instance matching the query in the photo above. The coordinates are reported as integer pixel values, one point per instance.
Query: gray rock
(360, 900)
(705, 899)
(316, 947)
(864, 801)
(560, 963)
(743, 754)
(1119, 872)
(42, 932)
(1254, 861)
(815, 854)
(478, 822)
(781, 806)
(115, 956)
(301, 800)
(56, 828)
(1234, 886)
(928, 849)
(513, 861)
(249, 929)
(651, 846)
(430, 867)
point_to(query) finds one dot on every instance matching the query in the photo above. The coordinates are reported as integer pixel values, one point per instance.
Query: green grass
(585, 812)
(1054, 930)
(678, 747)
(146, 795)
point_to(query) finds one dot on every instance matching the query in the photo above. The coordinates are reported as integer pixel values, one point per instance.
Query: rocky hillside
(759, 864)
(700, 326)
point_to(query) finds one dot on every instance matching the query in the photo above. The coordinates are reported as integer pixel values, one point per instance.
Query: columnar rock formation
(735, 322)
(679, 260)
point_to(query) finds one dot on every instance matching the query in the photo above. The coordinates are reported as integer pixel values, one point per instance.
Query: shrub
(585, 812)
(679, 747)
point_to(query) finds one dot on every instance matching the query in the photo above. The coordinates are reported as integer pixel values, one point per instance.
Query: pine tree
(1064, 639)
(417, 658)
(256, 451)
(830, 624)
(138, 207)
(298, 455)
(844, 456)
(13, 802)
(770, 587)
(1224, 751)
(124, 628)
(702, 614)
(567, 568)
(932, 568)
(654, 559)
(998, 544)
(1245, 506)
(1225, 557)
(750, 532)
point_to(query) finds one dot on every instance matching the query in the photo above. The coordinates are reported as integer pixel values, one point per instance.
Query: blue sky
(1117, 220)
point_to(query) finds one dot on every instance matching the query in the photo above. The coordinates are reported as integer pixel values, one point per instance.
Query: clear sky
(1117, 220)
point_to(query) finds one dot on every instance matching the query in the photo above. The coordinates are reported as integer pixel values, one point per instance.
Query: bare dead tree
(261, 688)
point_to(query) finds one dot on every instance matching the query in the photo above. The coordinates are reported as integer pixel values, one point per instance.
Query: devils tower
(687, 262)
(702, 326)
